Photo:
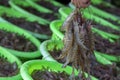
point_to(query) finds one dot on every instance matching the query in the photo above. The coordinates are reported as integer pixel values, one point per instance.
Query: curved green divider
(29, 66)
(111, 37)
(38, 7)
(14, 29)
(41, 8)
(39, 36)
(13, 13)
(44, 52)
(99, 2)
(54, 2)
(55, 26)
(111, 57)
(11, 59)
(100, 20)
(31, 16)
(106, 15)
(65, 11)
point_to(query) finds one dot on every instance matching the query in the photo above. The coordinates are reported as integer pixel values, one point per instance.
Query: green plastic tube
(31, 16)
(29, 66)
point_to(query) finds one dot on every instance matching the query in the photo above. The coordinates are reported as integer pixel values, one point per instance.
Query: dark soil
(31, 26)
(114, 22)
(55, 54)
(107, 29)
(48, 5)
(104, 72)
(4, 3)
(7, 68)
(105, 46)
(50, 75)
(48, 16)
(115, 11)
(98, 70)
(16, 42)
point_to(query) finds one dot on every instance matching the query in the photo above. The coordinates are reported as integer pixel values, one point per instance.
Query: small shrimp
(68, 21)
(68, 40)
(79, 40)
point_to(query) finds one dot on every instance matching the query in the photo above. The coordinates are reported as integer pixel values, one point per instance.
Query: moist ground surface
(47, 16)
(16, 42)
(31, 26)
(7, 68)
(105, 46)
(48, 5)
(107, 29)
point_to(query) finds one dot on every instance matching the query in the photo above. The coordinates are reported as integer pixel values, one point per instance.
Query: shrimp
(68, 21)
(78, 41)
